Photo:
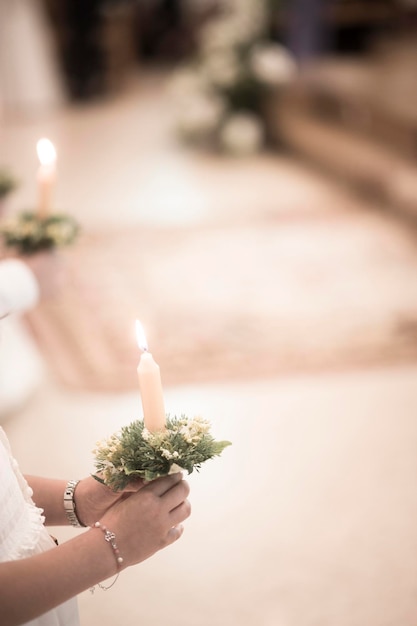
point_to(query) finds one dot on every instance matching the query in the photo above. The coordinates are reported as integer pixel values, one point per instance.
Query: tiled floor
(310, 518)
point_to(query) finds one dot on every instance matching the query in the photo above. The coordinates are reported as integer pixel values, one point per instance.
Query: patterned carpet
(266, 297)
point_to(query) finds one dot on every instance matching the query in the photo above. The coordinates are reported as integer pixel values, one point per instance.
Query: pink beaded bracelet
(110, 537)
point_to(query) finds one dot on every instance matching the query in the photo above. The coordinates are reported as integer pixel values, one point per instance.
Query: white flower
(29, 228)
(250, 25)
(241, 23)
(54, 231)
(199, 424)
(201, 116)
(194, 430)
(242, 134)
(146, 434)
(186, 83)
(222, 68)
(170, 455)
(251, 16)
(185, 432)
(108, 467)
(223, 34)
(272, 64)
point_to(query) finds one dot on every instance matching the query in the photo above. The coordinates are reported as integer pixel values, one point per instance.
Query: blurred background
(244, 173)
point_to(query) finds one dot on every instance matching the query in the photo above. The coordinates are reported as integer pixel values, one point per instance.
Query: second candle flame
(141, 337)
(46, 151)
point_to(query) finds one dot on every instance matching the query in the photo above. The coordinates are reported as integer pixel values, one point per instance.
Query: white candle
(150, 386)
(46, 175)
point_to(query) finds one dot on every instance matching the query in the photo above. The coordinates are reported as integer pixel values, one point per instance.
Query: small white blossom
(146, 434)
(201, 116)
(272, 64)
(194, 430)
(186, 83)
(200, 424)
(222, 34)
(108, 467)
(29, 228)
(222, 68)
(169, 455)
(187, 436)
(242, 134)
(252, 14)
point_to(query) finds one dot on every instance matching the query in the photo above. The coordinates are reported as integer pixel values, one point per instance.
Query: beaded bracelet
(110, 537)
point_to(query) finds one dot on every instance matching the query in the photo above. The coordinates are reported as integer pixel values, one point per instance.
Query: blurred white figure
(22, 285)
(19, 361)
(30, 78)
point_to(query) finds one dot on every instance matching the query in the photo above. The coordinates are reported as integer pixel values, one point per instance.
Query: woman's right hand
(149, 519)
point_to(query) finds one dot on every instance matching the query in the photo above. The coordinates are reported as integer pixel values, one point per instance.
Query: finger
(164, 484)
(180, 513)
(176, 495)
(175, 533)
(134, 485)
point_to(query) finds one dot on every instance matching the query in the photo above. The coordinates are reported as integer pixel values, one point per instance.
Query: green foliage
(29, 233)
(135, 452)
(245, 95)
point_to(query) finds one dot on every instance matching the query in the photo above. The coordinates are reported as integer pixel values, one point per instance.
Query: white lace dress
(22, 530)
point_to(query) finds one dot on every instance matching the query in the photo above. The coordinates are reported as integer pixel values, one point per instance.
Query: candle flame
(46, 151)
(141, 337)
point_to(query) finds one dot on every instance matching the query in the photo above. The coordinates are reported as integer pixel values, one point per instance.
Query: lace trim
(29, 542)
(24, 533)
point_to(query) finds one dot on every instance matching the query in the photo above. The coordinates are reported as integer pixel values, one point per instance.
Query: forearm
(91, 499)
(48, 494)
(49, 579)
(144, 522)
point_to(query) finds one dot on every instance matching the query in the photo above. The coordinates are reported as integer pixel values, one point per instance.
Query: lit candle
(46, 175)
(150, 386)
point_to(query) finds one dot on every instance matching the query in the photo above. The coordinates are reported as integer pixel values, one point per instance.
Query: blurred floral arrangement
(135, 452)
(220, 94)
(29, 232)
(8, 183)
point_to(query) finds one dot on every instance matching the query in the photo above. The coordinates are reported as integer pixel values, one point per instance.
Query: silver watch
(69, 504)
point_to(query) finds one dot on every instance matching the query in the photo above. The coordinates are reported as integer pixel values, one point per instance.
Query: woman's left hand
(93, 498)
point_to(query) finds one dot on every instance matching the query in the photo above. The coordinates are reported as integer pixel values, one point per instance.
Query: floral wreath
(29, 232)
(135, 452)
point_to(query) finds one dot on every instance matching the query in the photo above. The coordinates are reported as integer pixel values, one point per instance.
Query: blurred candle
(46, 175)
(150, 386)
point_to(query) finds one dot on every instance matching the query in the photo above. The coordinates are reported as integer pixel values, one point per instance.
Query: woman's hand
(150, 518)
(93, 498)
